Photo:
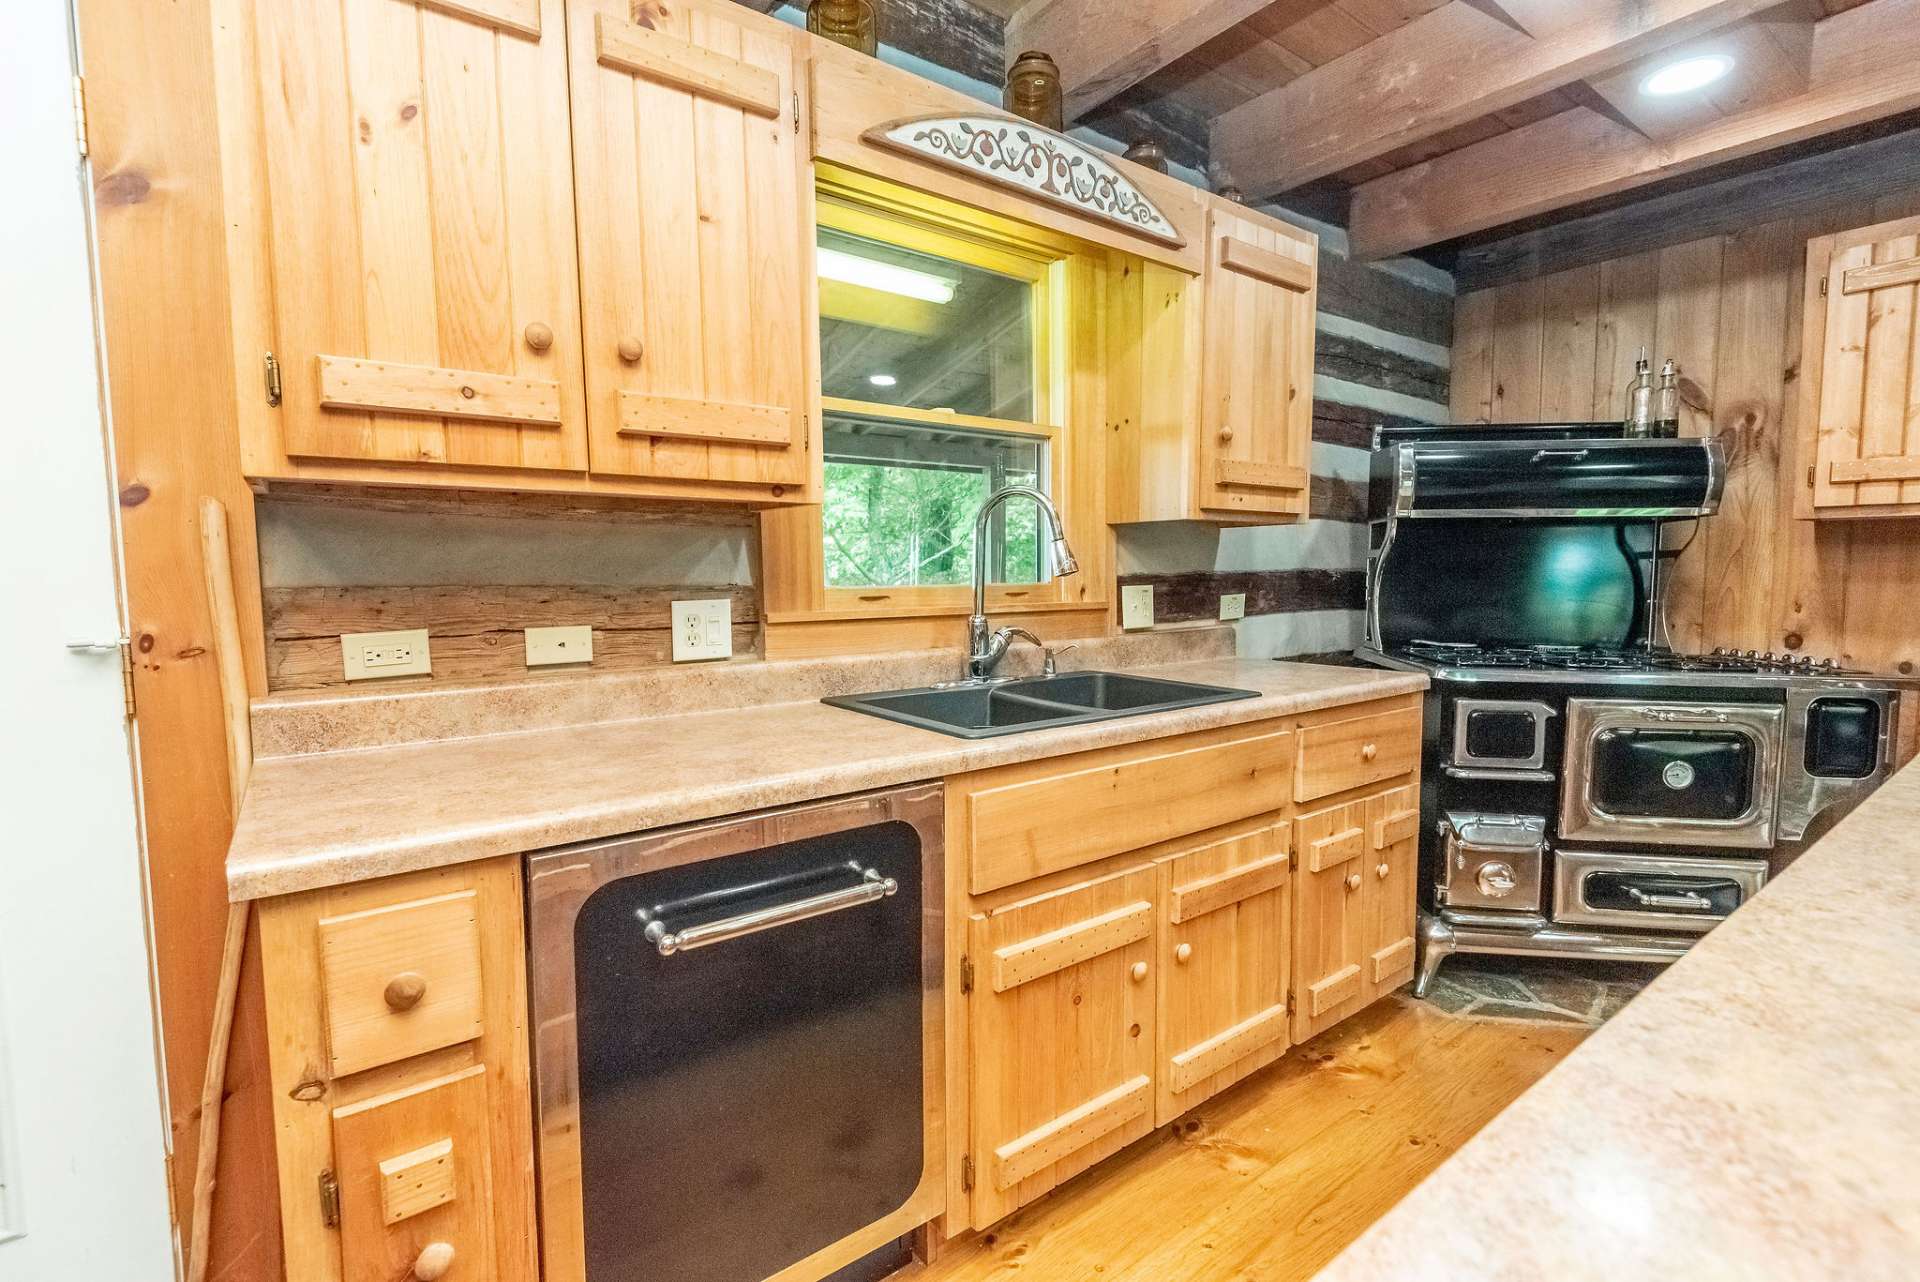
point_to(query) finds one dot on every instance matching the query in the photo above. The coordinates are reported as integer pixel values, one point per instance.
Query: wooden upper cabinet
(696, 241)
(1863, 458)
(1256, 418)
(418, 231)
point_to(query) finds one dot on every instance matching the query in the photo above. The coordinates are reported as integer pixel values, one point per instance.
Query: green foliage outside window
(901, 526)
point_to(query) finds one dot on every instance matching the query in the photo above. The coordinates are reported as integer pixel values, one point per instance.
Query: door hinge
(329, 1200)
(966, 1174)
(1289, 1003)
(796, 113)
(1810, 467)
(126, 675)
(1823, 287)
(966, 973)
(273, 381)
(80, 115)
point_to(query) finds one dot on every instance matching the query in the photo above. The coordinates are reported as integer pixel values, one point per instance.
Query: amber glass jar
(1033, 90)
(845, 22)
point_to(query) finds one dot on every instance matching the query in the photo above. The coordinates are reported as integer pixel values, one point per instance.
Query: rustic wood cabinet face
(696, 242)
(1393, 844)
(1865, 455)
(1062, 1015)
(419, 231)
(1224, 964)
(1256, 422)
(1330, 918)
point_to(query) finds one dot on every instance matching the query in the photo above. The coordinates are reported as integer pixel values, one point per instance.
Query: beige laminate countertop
(1754, 1114)
(334, 817)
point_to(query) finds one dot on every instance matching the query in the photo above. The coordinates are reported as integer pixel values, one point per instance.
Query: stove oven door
(1671, 773)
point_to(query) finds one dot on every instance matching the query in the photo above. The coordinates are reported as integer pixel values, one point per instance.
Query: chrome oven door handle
(1572, 456)
(872, 886)
(1686, 901)
(1685, 714)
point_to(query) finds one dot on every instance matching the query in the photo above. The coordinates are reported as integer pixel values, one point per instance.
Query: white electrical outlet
(1136, 606)
(702, 630)
(1233, 605)
(385, 654)
(546, 646)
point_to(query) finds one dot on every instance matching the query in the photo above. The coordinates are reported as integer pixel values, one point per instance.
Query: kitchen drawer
(413, 1170)
(1029, 820)
(1338, 755)
(400, 979)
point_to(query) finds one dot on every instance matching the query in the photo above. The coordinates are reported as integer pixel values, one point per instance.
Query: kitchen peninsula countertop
(1755, 1113)
(329, 817)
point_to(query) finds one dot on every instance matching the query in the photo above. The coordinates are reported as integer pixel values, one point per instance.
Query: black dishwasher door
(746, 1103)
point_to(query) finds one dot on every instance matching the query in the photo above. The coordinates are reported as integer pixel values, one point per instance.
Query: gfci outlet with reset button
(1136, 606)
(702, 630)
(385, 654)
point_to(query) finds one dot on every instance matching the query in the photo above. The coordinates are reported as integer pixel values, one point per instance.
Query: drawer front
(1044, 820)
(1347, 754)
(400, 980)
(414, 1172)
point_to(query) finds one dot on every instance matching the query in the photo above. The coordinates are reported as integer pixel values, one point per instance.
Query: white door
(83, 1193)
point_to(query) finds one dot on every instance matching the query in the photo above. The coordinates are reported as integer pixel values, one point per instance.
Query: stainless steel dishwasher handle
(872, 886)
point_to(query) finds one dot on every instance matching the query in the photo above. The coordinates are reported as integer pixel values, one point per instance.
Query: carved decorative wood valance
(1033, 161)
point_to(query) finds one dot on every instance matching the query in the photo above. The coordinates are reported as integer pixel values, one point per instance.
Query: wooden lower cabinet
(1224, 964)
(397, 1026)
(1063, 1035)
(1103, 999)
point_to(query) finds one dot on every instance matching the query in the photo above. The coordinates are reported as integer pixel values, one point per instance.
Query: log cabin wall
(1728, 307)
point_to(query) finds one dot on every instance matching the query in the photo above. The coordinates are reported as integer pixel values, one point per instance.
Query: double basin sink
(982, 710)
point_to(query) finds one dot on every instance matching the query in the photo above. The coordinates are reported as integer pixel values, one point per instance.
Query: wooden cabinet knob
(1226, 431)
(1139, 971)
(1369, 752)
(1381, 872)
(434, 1260)
(1353, 881)
(539, 336)
(1183, 953)
(630, 350)
(405, 990)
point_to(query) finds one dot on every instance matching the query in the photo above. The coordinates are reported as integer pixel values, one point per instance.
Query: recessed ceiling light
(882, 380)
(838, 264)
(1686, 75)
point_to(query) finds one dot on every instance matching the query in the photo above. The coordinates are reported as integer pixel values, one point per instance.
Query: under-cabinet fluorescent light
(882, 380)
(837, 264)
(1686, 75)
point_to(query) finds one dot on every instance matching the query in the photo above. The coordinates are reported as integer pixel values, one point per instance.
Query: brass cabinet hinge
(966, 973)
(126, 675)
(329, 1200)
(1289, 1003)
(273, 381)
(796, 113)
(80, 115)
(1810, 467)
(966, 1174)
(1823, 287)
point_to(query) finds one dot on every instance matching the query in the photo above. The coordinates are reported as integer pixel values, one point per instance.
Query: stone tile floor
(1544, 990)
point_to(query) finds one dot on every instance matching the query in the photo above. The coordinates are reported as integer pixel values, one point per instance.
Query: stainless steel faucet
(985, 649)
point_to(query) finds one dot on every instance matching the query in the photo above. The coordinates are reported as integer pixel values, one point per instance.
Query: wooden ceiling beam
(1106, 46)
(1443, 69)
(1862, 70)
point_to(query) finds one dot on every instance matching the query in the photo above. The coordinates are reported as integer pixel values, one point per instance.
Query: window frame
(1055, 265)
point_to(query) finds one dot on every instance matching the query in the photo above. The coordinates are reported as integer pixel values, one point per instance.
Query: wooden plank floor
(1268, 1181)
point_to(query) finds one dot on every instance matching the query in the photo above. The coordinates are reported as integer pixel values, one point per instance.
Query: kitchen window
(934, 375)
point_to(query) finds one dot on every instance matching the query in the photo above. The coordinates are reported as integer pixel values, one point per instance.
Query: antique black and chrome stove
(1586, 790)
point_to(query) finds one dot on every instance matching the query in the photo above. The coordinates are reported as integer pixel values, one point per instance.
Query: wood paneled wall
(1728, 308)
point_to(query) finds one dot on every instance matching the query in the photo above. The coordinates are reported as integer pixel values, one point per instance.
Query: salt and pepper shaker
(1666, 401)
(1639, 421)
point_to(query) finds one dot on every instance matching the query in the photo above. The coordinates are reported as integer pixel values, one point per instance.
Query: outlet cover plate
(1136, 606)
(1233, 605)
(366, 655)
(546, 646)
(702, 630)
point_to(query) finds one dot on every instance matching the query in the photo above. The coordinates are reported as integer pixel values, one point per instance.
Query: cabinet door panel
(1393, 852)
(1868, 452)
(421, 231)
(1330, 921)
(1257, 402)
(696, 235)
(1224, 964)
(1063, 1052)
